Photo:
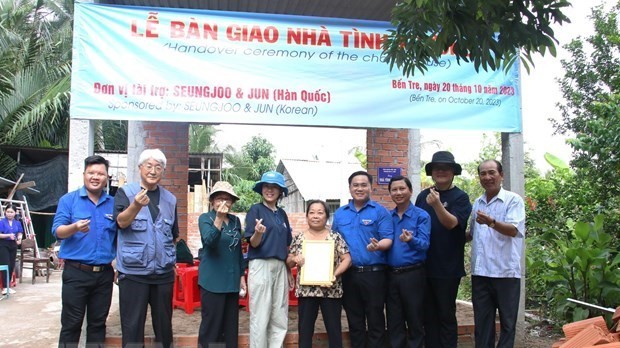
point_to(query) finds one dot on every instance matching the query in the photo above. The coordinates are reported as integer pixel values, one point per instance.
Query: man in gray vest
(146, 215)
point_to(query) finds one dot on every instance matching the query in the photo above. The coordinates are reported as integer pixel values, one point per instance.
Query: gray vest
(146, 246)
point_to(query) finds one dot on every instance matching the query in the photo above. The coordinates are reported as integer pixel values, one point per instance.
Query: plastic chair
(6, 282)
(186, 294)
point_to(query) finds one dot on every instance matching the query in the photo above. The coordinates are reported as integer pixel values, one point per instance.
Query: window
(333, 205)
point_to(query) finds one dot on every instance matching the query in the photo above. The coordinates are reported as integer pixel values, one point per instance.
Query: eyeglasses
(223, 199)
(150, 167)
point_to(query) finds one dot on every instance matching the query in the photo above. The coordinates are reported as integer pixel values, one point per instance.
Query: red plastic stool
(292, 299)
(12, 282)
(186, 294)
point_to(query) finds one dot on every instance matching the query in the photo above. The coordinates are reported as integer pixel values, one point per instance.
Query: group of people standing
(407, 262)
(412, 258)
(137, 228)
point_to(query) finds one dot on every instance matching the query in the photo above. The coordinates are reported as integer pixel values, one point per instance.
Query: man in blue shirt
(84, 225)
(367, 228)
(407, 275)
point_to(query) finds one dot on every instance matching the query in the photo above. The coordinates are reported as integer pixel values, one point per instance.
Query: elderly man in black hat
(449, 209)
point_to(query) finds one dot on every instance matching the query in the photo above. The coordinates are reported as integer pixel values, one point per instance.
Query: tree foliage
(201, 138)
(35, 66)
(571, 252)
(246, 167)
(257, 157)
(488, 33)
(591, 111)
(110, 135)
(576, 261)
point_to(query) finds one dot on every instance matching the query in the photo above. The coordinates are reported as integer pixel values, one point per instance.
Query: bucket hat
(443, 157)
(271, 177)
(223, 186)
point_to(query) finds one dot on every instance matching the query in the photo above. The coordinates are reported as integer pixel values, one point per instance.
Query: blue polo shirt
(5, 228)
(357, 227)
(98, 245)
(15, 228)
(277, 238)
(415, 220)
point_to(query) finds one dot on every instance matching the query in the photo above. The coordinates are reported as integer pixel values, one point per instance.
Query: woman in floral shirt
(313, 297)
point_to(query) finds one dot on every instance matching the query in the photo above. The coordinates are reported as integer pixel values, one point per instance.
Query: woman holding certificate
(319, 284)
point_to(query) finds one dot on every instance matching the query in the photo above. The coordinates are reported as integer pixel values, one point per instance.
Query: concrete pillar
(136, 136)
(415, 154)
(81, 145)
(514, 180)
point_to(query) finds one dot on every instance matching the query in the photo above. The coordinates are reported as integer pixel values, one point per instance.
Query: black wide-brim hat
(443, 157)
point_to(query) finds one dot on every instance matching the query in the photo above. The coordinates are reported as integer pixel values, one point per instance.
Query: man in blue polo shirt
(407, 274)
(87, 231)
(366, 226)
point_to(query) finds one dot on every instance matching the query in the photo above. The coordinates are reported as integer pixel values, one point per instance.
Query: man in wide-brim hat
(443, 158)
(449, 209)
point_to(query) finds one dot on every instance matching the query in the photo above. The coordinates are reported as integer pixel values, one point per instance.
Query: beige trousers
(268, 289)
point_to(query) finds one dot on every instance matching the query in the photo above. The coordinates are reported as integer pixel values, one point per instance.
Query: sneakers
(11, 291)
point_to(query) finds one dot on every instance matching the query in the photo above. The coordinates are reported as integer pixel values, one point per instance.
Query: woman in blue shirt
(268, 230)
(11, 232)
(220, 274)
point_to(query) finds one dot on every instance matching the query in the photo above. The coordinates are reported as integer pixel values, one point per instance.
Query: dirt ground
(187, 324)
(31, 318)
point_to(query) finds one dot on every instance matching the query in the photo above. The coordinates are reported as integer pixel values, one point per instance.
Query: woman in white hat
(220, 274)
(269, 232)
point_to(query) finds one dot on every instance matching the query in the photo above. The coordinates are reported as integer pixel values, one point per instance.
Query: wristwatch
(492, 224)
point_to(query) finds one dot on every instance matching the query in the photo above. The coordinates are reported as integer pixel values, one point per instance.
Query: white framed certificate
(318, 268)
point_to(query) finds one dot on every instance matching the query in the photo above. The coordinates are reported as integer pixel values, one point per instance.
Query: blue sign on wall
(386, 173)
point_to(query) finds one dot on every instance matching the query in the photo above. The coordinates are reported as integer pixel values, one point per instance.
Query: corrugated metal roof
(320, 180)
(379, 10)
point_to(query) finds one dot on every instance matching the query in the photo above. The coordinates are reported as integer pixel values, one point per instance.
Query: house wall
(172, 139)
(386, 147)
(294, 202)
